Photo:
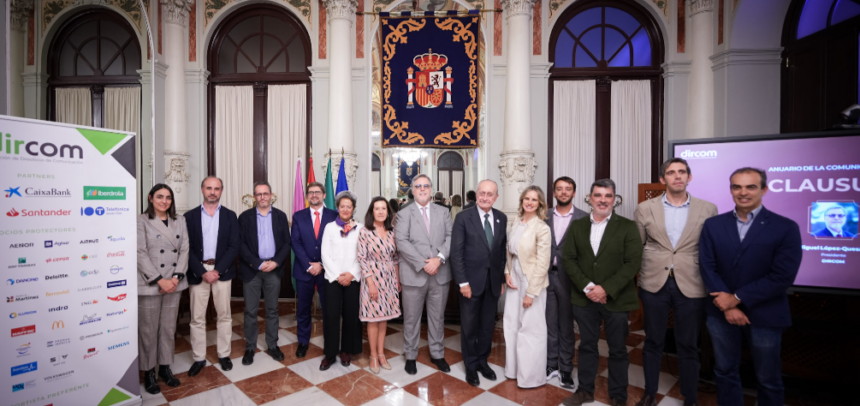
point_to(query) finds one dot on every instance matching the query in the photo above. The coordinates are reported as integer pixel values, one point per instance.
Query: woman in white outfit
(529, 240)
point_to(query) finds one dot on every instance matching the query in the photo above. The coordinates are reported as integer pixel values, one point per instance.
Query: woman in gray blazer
(162, 259)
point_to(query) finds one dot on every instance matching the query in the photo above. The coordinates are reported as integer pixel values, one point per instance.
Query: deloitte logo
(688, 154)
(104, 193)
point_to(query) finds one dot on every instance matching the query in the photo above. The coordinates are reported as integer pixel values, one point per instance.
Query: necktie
(426, 219)
(488, 230)
(317, 224)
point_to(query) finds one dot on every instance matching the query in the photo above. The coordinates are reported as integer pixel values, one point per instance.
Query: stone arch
(225, 12)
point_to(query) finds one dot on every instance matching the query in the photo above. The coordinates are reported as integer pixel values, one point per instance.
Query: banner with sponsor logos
(68, 251)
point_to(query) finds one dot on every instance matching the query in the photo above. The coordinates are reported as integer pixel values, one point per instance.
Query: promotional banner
(430, 80)
(68, 249)
(813, 181)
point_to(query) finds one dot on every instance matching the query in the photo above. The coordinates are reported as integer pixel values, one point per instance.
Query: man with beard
(306, 237)
(559, 312)
(213, 238)
(602, 257)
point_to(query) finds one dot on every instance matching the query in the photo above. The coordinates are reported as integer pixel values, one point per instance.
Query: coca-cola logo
(116, 254)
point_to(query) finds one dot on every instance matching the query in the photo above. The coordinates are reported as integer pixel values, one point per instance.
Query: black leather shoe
(166, 375)
(410, 368)
(345, 358)
(647, 400)
(690, 404)
(487, 372)
(326, 363)
(275, 353)
(441, 364)
(196, 367)
(566, 380)
(248, 359)
(150, 382)
(472, 378)
(578, 398)
(226, 364)
(302, 351)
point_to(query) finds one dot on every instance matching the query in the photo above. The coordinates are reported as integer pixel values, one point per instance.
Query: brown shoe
(345, 358)
(619, 402)
(578, 398)
(647, 400)
(326, 363)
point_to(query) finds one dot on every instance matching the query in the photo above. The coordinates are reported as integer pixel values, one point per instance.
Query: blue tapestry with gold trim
(430, 80)
(405, 174)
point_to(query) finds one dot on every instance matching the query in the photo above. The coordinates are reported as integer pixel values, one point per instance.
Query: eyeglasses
(836, 216)
(314, 192)
(424, 186)
(262, 194)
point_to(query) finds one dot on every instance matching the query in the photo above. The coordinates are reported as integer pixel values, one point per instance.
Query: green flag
(329, 188)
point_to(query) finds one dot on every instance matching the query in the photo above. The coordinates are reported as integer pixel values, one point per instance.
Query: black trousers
(477, 323)
(270, 285)
(342, 303)
(688, 318)
(615, 326)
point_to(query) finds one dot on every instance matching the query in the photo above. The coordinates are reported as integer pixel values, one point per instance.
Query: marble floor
(299, 382)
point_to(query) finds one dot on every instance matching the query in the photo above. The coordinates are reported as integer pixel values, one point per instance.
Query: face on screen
(747, 191)
(835, 218)
(676, 178)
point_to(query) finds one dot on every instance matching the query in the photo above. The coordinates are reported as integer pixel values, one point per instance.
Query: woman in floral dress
(380, 283)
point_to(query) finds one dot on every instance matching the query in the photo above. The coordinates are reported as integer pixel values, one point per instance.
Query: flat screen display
(813, 180)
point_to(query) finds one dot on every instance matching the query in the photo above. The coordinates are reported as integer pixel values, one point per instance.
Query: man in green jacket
(602, 255)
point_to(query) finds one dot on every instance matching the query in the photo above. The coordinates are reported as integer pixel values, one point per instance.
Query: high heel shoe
(374, 365)
(384, 362)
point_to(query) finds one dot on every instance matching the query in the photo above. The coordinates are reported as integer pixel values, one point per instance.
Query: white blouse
(340, 254)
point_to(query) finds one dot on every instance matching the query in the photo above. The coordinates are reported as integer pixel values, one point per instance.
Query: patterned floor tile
(451, 356)
(181, 345)
(237, 350)
(262, 363)
(440, 389)
(546, 395)
(224, 395)
(397, 397)
(209, 378)
(272, 385)
(289, 351)
(310, 370)
(312, 396)
(363, 360)
(357, 388)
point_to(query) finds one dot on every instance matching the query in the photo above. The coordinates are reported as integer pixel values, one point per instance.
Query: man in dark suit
(213, 237)
(439, 199)
(307, 234)
(470, 200)
(602, 256)
(265, 247)
(835, 219)
(748, 258)
(478, 256)
(559, 312)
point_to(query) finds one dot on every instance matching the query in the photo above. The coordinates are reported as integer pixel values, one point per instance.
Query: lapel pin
(497, 220)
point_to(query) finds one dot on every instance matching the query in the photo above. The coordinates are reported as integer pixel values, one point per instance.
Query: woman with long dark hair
(162, 259)
(380, 272)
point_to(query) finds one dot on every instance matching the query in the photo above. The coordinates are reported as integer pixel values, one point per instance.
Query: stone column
(19, 13)
(176, 173)
(340, 15)
(700, 109)
(517, 166)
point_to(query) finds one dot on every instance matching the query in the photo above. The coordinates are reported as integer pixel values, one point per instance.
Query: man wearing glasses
(835, 219)
(423, 236)
(307, 234)
(264, 232)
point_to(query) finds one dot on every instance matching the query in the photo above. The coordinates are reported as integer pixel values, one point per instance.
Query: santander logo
(116, 254)
(12, 213)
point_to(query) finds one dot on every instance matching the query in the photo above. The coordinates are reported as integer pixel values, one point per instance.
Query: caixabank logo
(38, 192)
(104, 193)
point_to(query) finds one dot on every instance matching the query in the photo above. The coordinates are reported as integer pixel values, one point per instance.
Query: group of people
(554, 266)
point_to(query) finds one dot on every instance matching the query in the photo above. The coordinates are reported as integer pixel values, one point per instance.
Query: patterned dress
(377, 258)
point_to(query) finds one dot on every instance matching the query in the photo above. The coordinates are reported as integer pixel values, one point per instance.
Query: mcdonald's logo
(58, 324)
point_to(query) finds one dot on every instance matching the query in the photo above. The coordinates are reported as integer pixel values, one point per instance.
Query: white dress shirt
(481, 213)
(340, 254)
(597, 230)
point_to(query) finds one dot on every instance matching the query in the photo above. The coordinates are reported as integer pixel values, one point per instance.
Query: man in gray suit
(423, 236)
(559, 311)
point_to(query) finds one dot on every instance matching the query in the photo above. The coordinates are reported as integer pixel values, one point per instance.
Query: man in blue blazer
(306, 236)
(264, 232)
(748, 258)
(213, 237)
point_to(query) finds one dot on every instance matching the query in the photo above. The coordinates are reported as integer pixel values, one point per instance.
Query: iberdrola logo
(104, 193)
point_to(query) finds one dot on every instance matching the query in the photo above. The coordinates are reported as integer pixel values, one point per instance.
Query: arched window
(820, 63)
(94, 49)
(450, 170)
(593, 45)
(375, 175)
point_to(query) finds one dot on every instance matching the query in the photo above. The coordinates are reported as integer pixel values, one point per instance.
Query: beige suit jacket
(161, 251)
(533, 251)
(658, 256)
